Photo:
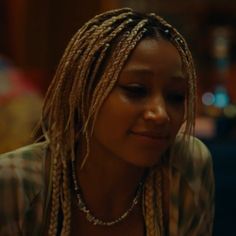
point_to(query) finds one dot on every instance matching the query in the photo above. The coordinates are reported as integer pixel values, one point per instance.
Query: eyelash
(135, 91)
(139, 92)
(176, 98)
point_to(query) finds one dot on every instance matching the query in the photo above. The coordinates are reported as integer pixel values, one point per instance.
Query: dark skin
(133, 225)
(149, 96)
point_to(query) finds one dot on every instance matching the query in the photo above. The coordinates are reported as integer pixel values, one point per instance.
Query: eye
(176, 98)
(134, 90)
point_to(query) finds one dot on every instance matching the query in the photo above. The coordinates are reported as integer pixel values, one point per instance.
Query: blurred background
(34, 34)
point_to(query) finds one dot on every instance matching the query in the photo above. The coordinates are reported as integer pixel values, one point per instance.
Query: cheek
(177, 117)
(115, 116)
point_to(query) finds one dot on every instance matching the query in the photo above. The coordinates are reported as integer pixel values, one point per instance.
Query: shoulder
(21, 172)
(25, 160)
(21, 183)
(190, 153)
(192, 159)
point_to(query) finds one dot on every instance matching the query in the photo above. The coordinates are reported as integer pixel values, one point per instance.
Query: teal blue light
(221, 97)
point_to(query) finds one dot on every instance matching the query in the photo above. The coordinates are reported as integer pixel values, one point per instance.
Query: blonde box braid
(179, 42)
(149, 203)
(113, 71)
(85, 76)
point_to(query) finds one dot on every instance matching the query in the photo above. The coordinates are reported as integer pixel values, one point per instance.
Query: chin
(146, 162)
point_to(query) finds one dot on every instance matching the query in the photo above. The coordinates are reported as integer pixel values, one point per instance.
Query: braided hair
(86, 74)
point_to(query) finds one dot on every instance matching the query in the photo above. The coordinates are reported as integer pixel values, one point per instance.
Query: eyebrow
(134, 70)
(147, 71)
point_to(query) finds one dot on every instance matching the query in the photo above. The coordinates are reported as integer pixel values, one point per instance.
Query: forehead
(155, 56)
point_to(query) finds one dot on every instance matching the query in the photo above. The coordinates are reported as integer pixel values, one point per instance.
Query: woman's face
(142, 115)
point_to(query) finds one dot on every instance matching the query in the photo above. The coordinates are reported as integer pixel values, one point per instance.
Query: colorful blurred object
(20, 107)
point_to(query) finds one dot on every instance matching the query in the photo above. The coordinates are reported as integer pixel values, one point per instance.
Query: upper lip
(151, 134)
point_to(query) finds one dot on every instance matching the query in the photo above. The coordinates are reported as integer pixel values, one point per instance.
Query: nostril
(158, 115)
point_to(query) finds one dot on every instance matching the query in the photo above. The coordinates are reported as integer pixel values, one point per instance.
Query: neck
(109, 184)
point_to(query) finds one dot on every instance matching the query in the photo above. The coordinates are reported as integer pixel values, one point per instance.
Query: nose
(156, 111)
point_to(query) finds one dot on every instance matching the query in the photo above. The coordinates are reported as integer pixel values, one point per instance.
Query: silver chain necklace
(89, 215)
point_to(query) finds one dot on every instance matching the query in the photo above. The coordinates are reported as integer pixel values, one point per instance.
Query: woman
(118, 157)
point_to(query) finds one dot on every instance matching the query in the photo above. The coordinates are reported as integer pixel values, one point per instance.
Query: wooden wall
(34, 33)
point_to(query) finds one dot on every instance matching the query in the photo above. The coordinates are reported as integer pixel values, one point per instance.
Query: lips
(150, 134)
(150, 138)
